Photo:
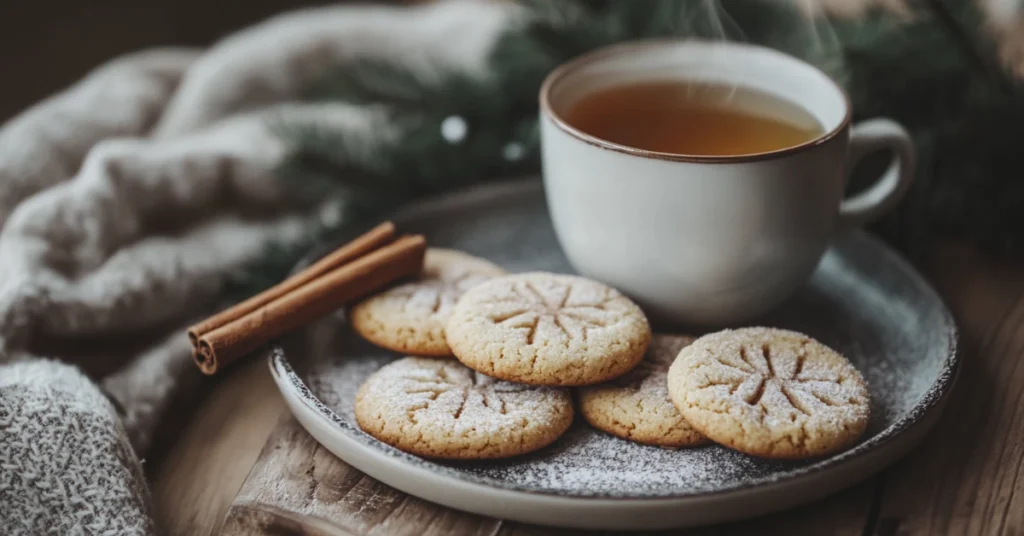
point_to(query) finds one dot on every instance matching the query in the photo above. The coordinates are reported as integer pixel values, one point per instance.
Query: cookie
(441, 409)
(548, 329)
(636, 406)
(770, 392)
(410, 318)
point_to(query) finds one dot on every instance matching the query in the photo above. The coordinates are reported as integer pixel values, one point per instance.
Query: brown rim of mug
(631, 46)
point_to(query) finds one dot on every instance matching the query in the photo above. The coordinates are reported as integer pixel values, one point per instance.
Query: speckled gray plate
(863, 300)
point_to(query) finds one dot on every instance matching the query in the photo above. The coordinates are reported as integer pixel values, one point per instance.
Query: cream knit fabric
(66, 466)
(126, 199)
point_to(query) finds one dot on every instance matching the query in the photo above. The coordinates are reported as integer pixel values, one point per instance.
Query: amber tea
(696, 119)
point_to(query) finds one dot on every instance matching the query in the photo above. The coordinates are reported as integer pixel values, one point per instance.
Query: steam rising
(708, 19)
(797, 27)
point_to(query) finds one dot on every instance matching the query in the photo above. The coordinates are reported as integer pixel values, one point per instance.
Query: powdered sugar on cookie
(441, 409)
(410, 318)
(770, 392)
(548, 329)
(637, 406)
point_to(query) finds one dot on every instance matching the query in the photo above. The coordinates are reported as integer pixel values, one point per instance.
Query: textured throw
(124, 201)
(127, 199)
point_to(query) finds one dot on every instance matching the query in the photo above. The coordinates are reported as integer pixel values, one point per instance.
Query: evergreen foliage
(932, 71)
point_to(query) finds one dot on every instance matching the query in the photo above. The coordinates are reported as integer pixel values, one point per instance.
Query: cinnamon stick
(311, 298)
(365, 243)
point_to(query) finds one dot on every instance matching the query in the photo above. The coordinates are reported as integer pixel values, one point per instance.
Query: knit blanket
(124, 202)
(128, 203)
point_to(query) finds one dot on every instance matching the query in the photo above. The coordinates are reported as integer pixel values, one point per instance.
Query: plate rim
(601, 513)
(933, 398)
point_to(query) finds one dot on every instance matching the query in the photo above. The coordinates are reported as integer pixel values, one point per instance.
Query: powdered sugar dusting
(583, 461)
(777, 371)
(770, 392)
(447, 398)
(862, 301)
(547, 329)
(649, 375)
(447, 275)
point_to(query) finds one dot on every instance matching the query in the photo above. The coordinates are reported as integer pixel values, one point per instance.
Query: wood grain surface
(964, 479)
(296, 484)
(197, 479)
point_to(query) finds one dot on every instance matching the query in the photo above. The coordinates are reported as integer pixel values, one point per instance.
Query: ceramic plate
(863, 300)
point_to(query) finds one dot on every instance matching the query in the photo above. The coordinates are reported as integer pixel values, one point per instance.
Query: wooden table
(964, 479)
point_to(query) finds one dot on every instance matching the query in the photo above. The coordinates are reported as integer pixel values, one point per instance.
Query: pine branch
(928, 72)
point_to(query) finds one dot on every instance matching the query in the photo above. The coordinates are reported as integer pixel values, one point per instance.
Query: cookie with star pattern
(439, 408)
(410, 318)
(636, 405)
(770, 393)
(548, 329)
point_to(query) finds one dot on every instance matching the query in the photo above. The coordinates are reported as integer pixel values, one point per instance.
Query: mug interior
(707, 62)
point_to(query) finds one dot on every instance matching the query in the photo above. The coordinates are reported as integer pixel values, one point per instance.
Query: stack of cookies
(520, 341)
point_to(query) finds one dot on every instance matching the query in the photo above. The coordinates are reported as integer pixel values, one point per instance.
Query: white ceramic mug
(708, 240)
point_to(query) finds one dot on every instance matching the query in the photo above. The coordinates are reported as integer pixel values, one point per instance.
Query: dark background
(46, 45)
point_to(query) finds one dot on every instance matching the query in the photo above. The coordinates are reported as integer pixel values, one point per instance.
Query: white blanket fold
(126, 201)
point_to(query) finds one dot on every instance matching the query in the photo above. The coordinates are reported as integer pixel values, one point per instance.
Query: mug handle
(865, 138)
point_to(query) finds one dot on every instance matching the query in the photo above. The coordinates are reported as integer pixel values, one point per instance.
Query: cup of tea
(704, 179)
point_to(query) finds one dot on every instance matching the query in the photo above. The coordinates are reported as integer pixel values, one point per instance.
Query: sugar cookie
(770, 392)
(442, 409)
(410, 318)
(548, 329)
(636, 406)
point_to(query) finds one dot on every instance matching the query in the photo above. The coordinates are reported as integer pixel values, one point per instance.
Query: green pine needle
(932, 72)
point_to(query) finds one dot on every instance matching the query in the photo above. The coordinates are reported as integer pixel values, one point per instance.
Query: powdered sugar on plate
(863, 301)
